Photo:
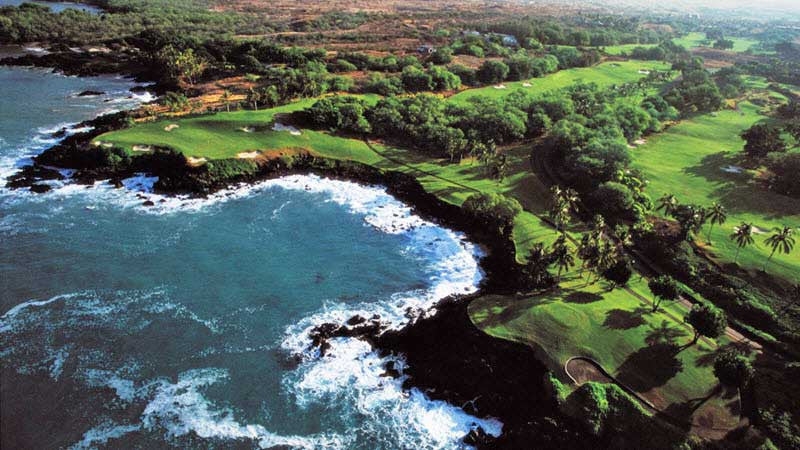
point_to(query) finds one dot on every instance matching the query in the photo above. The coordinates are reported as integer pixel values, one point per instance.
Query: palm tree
(587, 251)
(570, 198)
(606, 257)
(716, 214)
(253, 97)
(668, 203)
(226, 98)
(782, 240)
(562, 256)
(743, 235)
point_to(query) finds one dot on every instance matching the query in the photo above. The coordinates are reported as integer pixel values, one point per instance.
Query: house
(508, 40)
(426, 49)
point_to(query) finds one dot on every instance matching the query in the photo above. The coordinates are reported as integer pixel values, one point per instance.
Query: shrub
(614, 201)
(784, 169)
(492, 72)
(442, 55)
(496, 209)
(619, 273)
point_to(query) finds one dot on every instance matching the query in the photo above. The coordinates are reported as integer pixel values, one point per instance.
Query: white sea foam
(180, 408)
(124, 389)
(352, 373)
(102, 433)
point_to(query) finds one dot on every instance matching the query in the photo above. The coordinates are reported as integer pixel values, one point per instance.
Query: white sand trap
(247, 155)
(732, 169)
(171, 127)
(527, 85)
(500, 86)
(142, 148)
(195, 161)
(247, 129)
(281, 127)
(640, 142)
(644, 72)
(757, 230)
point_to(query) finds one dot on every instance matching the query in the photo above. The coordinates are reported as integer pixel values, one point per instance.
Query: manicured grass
(624, 48)
(698, 39)
(688, 160)
(618, 330)
(221, 135)
(604, 74)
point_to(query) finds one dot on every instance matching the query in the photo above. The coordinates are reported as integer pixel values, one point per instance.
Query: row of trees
(692, 218)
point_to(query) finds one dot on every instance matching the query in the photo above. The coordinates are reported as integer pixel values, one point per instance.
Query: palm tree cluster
(564, 202)
(693, 217)
(597, 253)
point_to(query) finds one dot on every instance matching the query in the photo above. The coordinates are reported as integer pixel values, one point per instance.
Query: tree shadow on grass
(683, 411)
(665, 334)
(650, 367)
(708, 357)
(620, 319)
(738, 192)
(582, 297)
(509, 310)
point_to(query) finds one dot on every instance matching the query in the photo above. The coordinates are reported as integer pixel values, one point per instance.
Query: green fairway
(618, 330)
(225, 135)
(604, 74)
(617, 50)
(697, 161)
(698, 39)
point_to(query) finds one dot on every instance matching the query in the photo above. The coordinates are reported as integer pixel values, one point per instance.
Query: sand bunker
(732, 169)
(247, 155)
(640, 142)
(247, 129)
(102, 144)
(195, 161)
(500, 86)
(281, 127)
(644, 72)
(757, 230)
(527, 85)
(171, 127)
(142, 148)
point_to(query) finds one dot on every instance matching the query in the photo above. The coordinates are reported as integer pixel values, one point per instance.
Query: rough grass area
(688, 161)
(604, 74)
(619, 330)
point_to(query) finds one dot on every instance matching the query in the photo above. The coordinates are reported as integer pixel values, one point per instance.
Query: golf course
(615, 327)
